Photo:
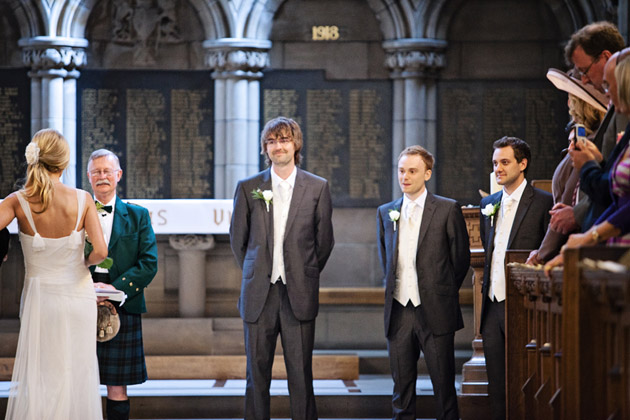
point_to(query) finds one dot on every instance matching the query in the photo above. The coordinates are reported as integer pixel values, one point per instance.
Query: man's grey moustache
(106, 182)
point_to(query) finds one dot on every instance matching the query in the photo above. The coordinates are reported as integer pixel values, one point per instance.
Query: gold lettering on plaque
(218, 216)
(325, 33)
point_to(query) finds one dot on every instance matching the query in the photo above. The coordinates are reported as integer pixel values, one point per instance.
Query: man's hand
(562, 219)
(533, 258)
(103, 286)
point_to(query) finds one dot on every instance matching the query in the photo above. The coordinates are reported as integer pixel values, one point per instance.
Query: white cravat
(406, 288)
(509, 205)
(282, 192)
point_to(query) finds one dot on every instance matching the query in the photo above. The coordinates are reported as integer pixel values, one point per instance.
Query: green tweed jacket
(133, 248)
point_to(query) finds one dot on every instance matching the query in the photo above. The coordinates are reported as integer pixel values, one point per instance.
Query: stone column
(414, 64)
(192, 272)
(238, 65)
(54, 62)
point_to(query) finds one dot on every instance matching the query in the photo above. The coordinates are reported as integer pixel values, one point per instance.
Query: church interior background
(180, 89)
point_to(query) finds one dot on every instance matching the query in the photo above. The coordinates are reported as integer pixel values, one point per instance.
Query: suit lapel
(266, 185)
(521, 211)
(493, 223)
(427, 214)
(396, 205)
(296, 198)
(119, 223)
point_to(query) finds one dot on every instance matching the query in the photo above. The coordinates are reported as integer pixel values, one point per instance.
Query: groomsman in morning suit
(281, 235)
(425, 255)
(514, 218)
(132, 246)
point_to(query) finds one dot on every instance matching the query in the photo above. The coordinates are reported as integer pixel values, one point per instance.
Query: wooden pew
(533, 315)
(568, 339)
(596, 336)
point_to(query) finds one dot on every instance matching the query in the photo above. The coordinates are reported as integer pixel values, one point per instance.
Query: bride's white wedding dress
(56, 371)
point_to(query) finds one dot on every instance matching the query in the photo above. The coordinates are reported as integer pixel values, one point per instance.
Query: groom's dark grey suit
(308, 242)
(442, 261)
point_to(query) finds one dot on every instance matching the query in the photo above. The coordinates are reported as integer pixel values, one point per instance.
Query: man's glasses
(106, 172)
(279, 141)
(582, 73)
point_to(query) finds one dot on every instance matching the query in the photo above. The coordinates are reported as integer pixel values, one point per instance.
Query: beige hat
(571, 85)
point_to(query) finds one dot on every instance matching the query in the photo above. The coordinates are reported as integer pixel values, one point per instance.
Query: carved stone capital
(53, 53)
(411, 58)
(239, 58)
(191, 242)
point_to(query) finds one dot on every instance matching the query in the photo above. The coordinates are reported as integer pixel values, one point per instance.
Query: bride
(55, 375)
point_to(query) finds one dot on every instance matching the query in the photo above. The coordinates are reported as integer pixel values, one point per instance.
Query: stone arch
(570, 16)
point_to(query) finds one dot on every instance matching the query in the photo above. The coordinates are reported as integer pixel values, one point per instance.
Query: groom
(425, 255)
(132, 246)
(281, 235)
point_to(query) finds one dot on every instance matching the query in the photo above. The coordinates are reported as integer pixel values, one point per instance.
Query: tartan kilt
(121, 359)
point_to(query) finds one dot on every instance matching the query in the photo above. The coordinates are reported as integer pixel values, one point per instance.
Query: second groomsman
(425, 254)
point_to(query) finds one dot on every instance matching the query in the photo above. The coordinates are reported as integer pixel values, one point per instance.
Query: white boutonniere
(490, 210)
(266, 196)
(394, 215)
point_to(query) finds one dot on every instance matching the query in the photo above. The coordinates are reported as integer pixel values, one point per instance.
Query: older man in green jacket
(133, 248)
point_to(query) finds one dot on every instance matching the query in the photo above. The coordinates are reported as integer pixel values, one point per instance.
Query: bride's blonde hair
(52, 155)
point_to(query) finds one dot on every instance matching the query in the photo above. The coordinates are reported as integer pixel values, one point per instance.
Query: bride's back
(59, 219)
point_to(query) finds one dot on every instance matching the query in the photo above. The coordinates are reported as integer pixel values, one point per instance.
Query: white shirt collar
(420, 201)
(275, 178)
(516, 195)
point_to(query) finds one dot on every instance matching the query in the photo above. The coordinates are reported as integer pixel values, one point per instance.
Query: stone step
(367, 397)
(327, 364)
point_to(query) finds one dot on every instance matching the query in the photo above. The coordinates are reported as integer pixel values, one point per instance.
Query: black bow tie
(101, 208)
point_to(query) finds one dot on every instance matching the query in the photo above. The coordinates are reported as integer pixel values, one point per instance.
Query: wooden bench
(344, 367)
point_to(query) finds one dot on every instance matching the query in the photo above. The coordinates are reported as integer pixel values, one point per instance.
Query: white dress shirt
(406, 288)
(107, 222)
(281, 204)
(505, 220)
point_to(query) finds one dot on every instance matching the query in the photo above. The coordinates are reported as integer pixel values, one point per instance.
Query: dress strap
(38, 241)
(27, 210)
(81, 202)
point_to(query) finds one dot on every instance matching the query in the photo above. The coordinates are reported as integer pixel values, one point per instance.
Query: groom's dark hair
(520, 147)
(282, 127)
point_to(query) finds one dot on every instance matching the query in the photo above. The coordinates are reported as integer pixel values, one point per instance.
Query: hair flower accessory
(32, 153)
(394, 215)
(266, 196)
(490, 210)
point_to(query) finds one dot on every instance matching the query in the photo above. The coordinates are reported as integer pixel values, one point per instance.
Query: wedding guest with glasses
(133, 249)
(610, 177)
(425, 255)
(55, 374)
(514, 218)
(588, 51)
(281, 235)
(589, 112)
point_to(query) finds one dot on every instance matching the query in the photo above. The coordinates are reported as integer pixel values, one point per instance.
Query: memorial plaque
(159, 123)
(15, 133)
(347, 130)
(473, 114)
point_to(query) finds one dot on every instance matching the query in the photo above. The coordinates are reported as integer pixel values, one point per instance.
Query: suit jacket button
(137, 290)
(124, 278)
(130, 284)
